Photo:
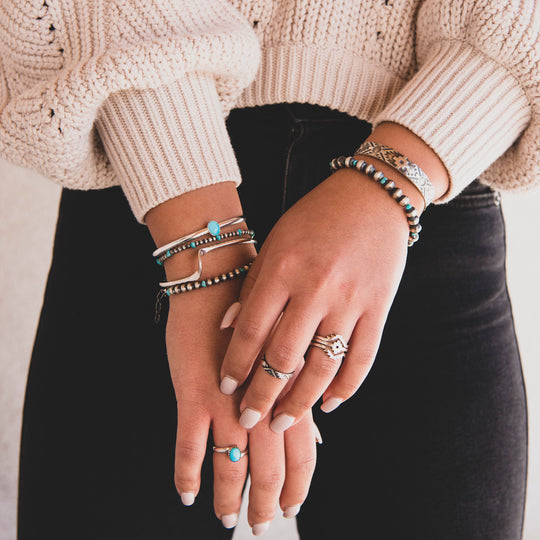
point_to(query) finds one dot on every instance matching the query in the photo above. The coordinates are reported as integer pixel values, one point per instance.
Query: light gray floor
(28, 205)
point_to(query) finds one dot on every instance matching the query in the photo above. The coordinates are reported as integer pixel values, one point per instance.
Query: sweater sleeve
(140, 73)
(475, 98)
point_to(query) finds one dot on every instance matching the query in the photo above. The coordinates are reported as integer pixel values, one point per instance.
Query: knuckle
(249, 330)
(187, 452)
(282, 356)
(270, 483)
(346, 389)
(305, 466)
(326, 367)
(230, 476)
(298, 404)
(184, 483)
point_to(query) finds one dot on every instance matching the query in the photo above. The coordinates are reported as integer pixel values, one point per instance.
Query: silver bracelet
(212, 228)
(203, 251)
(401, 164)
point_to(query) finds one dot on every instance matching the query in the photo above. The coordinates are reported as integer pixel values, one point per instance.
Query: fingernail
(281, 422)
(228, 385)
(330, 404)
(260, 528)
(291, 511)
(229, 520)
(187, 498)
(230, 315)
(249, 418)
(318, 436)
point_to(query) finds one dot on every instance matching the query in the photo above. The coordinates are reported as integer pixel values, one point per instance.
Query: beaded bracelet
(213, 228)
(203, 251)
(196, 243)
(396, 193)
(401, 164)
(194, 285)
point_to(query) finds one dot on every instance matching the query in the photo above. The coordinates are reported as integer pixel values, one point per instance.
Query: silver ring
(233, 452)
(274, 372)
(334, 346)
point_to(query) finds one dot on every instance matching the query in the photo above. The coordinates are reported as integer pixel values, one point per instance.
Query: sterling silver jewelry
(396, 193)
(203, 251)
(274, 372)
(401, 164)
(334, 345)
(233, 452)
(213, 228)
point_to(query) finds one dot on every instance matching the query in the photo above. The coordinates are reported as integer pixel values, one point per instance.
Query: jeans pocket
(476, 195)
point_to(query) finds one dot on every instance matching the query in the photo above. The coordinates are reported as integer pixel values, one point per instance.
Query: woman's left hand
(332, 264)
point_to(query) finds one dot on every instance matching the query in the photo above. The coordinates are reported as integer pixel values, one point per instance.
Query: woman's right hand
(281, 465)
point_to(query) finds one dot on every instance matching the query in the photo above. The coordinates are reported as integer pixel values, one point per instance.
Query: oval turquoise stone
(235, 454)
(213, 228)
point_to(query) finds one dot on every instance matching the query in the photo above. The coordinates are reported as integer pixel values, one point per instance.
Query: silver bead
(196, 285)
(379, 175)
(189, 287)
(370, 169)
(389, 185)
(397, 194)
(405, 201)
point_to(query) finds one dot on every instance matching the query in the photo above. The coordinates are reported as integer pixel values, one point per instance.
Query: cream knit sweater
(152, 81)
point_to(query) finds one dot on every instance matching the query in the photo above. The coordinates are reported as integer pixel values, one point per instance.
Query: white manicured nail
(230, 315)
(330, 404)
(229, 520)
(260, 528)
(318, 436)
(228, 385)
(187, 498)
(281, 422)
(249, 418)
(291, 511)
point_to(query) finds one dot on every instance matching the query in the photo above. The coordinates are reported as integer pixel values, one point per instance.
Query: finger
(229, 475)
(300, 460)
(317, 373)
(191, 438)
(283, 354)
(363, 347)
(254, 323)
(267, 470)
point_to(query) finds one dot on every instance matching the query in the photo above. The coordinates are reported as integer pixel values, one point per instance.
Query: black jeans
(432, 446)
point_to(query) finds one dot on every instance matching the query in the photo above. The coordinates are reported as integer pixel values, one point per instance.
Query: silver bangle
(197, 234)
(401, 164)
(203, 251)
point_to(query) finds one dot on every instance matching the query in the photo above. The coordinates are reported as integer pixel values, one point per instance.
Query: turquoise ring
(233, 452)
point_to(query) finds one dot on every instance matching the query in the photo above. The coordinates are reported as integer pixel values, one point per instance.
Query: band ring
(274, 372)
(233, 452)
(335, 346)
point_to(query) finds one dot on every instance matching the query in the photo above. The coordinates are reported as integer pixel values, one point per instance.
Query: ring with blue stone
(233, 452)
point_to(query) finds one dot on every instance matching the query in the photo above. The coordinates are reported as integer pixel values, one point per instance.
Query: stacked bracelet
(401, 164)
(203, 251)
(192, 244)
(199, 284)
(396, 193)
(213, 229)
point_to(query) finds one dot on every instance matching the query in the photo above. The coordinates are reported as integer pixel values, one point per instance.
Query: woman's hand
(332, 264)
(281, 466)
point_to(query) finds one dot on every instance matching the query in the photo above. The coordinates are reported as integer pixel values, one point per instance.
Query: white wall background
(28, 207)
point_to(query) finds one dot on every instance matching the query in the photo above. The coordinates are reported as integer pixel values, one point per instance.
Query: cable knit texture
(102, 92)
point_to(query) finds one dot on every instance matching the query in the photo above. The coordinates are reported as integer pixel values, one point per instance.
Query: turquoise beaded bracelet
(199, 284)
(192, 244)
(413, 219)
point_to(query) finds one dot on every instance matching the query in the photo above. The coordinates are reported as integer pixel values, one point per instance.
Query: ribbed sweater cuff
(465, 106)
(167, 141)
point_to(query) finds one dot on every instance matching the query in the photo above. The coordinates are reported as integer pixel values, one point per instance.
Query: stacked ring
(334, 346)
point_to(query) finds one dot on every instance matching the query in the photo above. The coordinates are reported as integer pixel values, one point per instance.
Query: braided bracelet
(396, 193)
(401, 164)
(192, 244)
(203, 251)
(213, 228)
(194, 285)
